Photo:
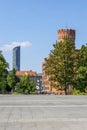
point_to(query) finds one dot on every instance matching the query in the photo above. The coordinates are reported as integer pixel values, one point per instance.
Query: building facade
(62, 33)
(16, 58)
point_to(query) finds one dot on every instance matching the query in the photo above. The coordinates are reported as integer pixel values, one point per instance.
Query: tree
(3, 72)
(60, 65)
(82, 69)
(26, 85)
(12, 79)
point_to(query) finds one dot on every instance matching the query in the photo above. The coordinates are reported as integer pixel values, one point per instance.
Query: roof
(21, 73)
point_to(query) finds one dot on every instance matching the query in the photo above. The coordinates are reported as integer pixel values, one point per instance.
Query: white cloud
(8, 47)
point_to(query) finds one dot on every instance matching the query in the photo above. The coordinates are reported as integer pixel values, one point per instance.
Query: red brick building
(62, 33)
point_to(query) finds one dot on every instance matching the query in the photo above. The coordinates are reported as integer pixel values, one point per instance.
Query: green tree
(3, 72)
(60, 65)
(26, 85)
(82, 69)
(12, 79)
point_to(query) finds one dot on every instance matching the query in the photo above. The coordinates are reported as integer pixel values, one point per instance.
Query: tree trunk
(66, 90)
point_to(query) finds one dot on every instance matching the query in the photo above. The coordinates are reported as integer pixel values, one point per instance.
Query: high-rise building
(16, 58)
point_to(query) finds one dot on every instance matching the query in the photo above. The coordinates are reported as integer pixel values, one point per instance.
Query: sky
(33, 25)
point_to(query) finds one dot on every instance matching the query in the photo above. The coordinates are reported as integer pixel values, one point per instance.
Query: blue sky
(36, 22)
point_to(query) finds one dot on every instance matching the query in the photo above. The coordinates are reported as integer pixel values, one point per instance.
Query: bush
(75, 92)
(78, 92)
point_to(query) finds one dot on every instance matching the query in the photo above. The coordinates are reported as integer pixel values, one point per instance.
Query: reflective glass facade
(16, 58)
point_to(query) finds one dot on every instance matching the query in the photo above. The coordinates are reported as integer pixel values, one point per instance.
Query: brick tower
(62, 33)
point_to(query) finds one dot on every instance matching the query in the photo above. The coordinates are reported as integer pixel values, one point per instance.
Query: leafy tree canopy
(60, 64)
(3, 71)
(27, 86)
(82, 69)
(12, 79)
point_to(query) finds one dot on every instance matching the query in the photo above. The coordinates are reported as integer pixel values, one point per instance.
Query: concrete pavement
(43, 112)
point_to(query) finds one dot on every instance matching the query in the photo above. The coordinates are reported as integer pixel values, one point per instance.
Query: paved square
(43, 112)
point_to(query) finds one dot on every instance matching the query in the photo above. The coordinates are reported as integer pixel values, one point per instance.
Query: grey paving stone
(43, 112)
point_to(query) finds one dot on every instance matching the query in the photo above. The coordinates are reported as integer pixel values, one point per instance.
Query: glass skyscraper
(16, 58)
